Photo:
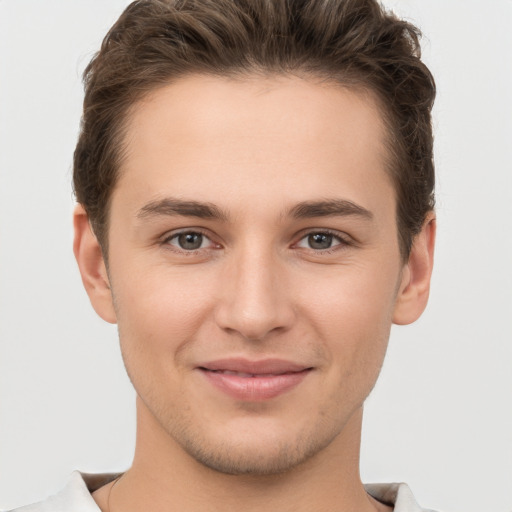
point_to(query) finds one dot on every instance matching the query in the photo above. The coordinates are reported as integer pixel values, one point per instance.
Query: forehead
(220, 137)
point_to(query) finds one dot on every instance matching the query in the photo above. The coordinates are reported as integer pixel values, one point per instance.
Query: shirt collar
(77, 493)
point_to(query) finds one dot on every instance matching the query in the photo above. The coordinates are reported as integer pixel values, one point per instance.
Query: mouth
(254, 380)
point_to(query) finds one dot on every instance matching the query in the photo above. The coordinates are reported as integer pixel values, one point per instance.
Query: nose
(255, 299)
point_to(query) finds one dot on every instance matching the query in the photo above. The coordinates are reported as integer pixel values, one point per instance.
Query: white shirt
(76, 496)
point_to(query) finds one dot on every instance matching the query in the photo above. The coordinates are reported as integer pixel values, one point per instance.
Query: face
(254, 265)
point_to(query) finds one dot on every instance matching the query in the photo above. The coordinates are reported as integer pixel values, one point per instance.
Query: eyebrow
(171, 207)
(328, 208)
(304, 210)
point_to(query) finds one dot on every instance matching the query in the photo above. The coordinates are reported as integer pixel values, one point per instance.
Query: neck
(164, 477)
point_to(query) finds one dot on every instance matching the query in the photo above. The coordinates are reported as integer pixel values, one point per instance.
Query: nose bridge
(254, 299)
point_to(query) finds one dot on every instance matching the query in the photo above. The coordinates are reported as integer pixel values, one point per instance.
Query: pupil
(190, 241)
(320, 241)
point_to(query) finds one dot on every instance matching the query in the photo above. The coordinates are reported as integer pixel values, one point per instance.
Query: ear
(92, 267)
(414, 288)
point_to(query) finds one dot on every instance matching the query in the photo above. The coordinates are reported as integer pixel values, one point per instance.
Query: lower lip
(256, 388)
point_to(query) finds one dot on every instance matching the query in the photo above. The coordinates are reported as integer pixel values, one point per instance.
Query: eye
(320, 240)
(189, 241)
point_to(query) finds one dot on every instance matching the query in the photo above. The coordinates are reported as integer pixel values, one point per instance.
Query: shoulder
(398, 494)
(75, 496)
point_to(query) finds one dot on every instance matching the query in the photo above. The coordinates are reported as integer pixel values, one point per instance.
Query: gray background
(441, 415)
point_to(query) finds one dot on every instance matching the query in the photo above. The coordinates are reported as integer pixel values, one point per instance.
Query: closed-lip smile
(249, 380)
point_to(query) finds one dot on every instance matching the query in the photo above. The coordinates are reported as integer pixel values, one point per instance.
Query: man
(255, 209)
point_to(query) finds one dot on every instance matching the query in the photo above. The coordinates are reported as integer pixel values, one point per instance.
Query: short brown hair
(355, 43)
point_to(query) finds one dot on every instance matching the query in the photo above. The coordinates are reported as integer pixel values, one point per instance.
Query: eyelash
(344, 242)
(193, 252)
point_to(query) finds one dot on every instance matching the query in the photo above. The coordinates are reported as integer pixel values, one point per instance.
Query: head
(259, 176)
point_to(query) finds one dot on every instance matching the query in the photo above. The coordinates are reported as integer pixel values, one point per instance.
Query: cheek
(159, 311)
(159, 316)
(353, 316)
(360, 297)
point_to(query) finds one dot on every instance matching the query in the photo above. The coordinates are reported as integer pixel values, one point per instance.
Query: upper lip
(264, 366)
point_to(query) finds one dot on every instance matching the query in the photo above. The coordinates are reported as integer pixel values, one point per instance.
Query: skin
(258, 287)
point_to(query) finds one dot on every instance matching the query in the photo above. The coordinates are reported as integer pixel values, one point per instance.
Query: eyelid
(165, 239)
(343, 239)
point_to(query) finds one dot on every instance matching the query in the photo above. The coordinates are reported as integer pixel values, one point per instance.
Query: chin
(257, 461)
(258, 453)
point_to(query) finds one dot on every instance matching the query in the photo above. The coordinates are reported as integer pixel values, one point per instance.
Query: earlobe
(414, 289)
(92, 267)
